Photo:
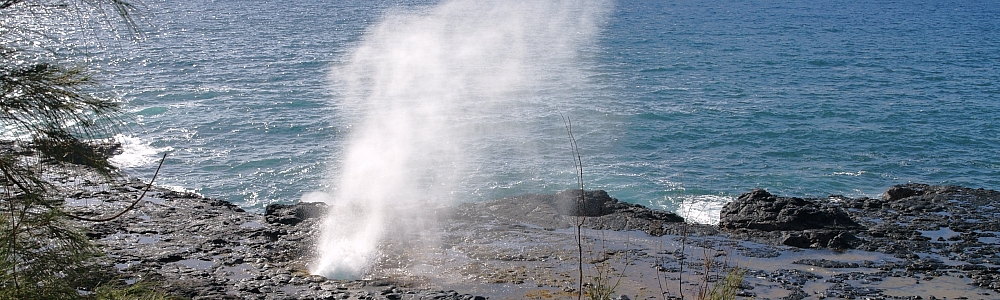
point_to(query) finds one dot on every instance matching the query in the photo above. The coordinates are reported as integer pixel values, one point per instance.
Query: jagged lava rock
(800, 223)
(760, 210)
(292, 214)
(903, 191)
(598, 203)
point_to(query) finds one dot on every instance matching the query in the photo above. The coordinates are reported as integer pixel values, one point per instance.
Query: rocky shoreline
(915, 242)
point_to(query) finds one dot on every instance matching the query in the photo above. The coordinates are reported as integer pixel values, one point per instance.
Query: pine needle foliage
(50, 116)
(138, 291)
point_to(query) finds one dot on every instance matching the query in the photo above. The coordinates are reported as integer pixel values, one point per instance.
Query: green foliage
(725, 288)
(137, 291)
(606, 279)
(39, 250)
(49, 116)
(600, 288)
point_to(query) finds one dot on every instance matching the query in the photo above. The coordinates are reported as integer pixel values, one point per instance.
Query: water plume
(419, 88)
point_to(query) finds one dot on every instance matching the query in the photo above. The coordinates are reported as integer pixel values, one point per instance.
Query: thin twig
(130, 207)
(581, 216)
(680, 272)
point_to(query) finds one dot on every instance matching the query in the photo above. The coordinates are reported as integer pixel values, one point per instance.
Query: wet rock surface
(200, 248)
(915, 241)
(936, 228)
(934, 231)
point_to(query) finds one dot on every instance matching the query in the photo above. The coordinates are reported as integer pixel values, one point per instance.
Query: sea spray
(417, 90)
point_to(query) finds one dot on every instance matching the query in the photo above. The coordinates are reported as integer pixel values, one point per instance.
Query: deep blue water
(684, 100)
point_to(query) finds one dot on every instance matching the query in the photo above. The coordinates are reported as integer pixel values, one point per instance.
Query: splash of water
(418, 89)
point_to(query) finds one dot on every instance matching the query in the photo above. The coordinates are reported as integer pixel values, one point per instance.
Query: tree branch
(130, 207)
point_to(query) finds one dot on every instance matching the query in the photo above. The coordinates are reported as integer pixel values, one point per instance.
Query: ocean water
(681, 105)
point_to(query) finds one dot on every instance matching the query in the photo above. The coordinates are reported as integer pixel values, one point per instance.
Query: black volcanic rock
(903, 191)
(562, 209)
(202, 248)
(760, 210)
(593, 204)
(295, 213)
(598, 203)
(819, 238)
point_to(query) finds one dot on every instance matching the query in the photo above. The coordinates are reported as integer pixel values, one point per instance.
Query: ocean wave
(702, 209)
(135, 152)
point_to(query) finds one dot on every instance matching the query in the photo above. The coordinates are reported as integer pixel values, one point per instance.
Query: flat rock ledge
(201, 248)
(597, 210)
(520, 247)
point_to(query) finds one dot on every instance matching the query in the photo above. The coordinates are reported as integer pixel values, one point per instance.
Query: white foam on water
(703, 209)
(135, 152)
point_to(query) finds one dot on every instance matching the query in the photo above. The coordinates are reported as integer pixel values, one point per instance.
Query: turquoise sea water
(683, 100)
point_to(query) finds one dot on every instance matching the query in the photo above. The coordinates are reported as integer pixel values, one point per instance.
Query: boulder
(903, 191)
(598, 203)
(563, 209)
(594, 203)
(760, 210)
(292, 214)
